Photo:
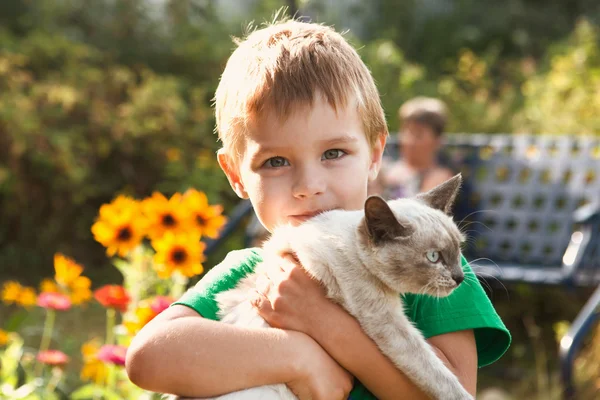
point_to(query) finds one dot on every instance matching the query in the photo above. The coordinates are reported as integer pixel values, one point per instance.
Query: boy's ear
(376, 156)
(232, 173)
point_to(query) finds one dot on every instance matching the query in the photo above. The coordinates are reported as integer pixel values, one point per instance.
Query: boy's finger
(261, 303)
(289, 262)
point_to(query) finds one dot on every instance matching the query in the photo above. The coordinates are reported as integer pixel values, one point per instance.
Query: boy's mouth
(305, 216)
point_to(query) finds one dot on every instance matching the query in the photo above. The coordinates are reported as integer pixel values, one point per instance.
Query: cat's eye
(433, 256)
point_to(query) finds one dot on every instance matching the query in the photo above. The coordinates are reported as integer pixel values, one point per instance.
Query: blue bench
(531, 207)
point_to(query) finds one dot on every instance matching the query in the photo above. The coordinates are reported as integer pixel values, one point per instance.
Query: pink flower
(52, 357)
(54, 301)
(160, 303)
(112, 354)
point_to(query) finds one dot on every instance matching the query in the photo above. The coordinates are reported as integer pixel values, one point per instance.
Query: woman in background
(423, 121)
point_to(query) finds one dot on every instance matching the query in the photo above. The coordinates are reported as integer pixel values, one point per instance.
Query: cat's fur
(365, 260)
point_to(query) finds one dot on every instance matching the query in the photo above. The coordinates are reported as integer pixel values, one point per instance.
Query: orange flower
(182, 252)
(93, 369)
(206, 220)
(164, 215)
(54, 301)
(53, 357)
(120, 226)
(68, 276)
(27, 297)
(3, 337)
(113, 296)
(146, 312)
(49, 286)
(14, 293)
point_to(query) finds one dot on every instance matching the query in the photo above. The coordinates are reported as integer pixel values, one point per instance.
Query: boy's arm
(294, 301)
(342, 337)
(182, 353)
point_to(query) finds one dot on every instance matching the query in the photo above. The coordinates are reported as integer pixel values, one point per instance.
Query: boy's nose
(308, 184)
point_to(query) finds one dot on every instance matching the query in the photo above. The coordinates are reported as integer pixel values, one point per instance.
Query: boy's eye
(276, 162)
(332, 154)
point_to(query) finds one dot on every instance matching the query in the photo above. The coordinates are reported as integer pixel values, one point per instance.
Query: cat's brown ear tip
(458, 177)
(373, 200)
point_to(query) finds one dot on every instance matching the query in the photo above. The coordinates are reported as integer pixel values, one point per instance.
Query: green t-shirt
(468, 307)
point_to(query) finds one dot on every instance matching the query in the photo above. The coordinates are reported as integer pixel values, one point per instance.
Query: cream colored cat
(365, 260)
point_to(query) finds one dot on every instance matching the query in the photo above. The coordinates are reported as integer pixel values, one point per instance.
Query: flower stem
(46, 336)
(110, 325)
(179, 285)
(110, 378)
(56, 377)
(110, 332)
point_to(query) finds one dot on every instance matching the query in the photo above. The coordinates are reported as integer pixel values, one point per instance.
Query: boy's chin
(298, 220)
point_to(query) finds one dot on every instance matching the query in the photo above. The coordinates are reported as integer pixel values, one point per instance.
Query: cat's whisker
(472, 262)
(473, 213)
(496, 279)
(475, 222)
(423, 290)
(483, 282)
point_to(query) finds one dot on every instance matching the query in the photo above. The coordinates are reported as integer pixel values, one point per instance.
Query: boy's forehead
(320, 118)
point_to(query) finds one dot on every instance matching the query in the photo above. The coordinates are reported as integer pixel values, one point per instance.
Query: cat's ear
(443, 195)
(380, 223)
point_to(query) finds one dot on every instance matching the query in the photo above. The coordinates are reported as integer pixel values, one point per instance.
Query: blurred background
(107, 97)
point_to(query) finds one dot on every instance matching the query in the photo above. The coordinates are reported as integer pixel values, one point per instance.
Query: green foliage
(76, 128)
(564, 99)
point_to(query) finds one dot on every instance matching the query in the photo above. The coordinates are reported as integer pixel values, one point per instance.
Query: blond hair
(283, 66)
(425, 110)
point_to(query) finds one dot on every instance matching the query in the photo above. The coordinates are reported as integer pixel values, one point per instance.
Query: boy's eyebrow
(344, 139)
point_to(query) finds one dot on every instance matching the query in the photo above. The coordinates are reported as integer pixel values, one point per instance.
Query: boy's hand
(319, 377)
(288, 298)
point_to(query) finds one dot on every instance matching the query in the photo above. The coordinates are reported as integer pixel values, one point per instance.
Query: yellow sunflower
(181, 252)
(164, 215)
(120, 226)
(206, 219)
(93, 369)
(69, 279)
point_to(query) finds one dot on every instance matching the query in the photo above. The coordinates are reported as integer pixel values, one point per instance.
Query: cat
(365, 260)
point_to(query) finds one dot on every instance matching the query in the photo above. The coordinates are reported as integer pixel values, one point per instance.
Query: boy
(303, 132)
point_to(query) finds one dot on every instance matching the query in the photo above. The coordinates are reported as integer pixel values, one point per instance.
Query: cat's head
(413, 244)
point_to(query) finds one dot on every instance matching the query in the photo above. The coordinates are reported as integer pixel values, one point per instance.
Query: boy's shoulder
(235, 266)
(222, 277)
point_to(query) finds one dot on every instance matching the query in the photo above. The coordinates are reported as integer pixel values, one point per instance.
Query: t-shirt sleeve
(468, 307)
(222, 277)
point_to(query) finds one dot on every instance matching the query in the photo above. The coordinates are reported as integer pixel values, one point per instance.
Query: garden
(110, 190)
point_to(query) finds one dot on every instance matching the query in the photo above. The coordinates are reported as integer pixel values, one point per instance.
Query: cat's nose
(458, 279)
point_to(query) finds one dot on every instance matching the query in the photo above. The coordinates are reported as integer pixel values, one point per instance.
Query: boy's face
(315, 161)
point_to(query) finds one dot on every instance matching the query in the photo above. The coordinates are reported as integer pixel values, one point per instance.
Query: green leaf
(88, 391)
(15, 321)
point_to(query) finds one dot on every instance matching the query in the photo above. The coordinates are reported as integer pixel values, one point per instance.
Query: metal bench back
(521, 192)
